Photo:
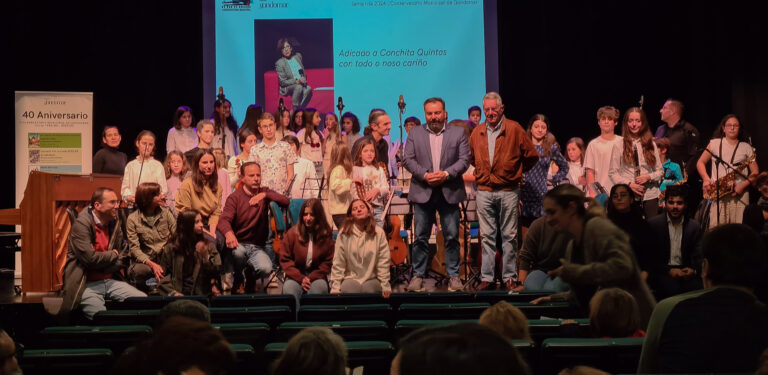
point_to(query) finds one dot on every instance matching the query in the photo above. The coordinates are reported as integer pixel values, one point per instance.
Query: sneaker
(416, 284)
(455, 285)
(485, 285)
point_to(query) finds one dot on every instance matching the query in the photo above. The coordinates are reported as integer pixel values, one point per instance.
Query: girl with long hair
(635, 161)
(370, 178)
(176, 169)
(307, 253)
(574, 154)
(311, 139)
(224, 126)
(182, 136)
(201, 191)
(340, 184)
(332, 137)
(247, 139)
(283, 124)
(350, 127)
(143, 169)
(361, 258)
(190, 260)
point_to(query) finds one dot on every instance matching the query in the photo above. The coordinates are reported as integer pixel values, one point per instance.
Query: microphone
(340, 106)
(281, 106)
(301, 73)
(401, 104)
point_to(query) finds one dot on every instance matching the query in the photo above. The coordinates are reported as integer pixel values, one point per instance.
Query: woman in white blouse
(143, 169)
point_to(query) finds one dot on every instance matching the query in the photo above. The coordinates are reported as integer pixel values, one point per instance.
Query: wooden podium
(45, 225)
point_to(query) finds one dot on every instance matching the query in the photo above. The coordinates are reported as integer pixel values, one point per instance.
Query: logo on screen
(236, 5)
(272, 4)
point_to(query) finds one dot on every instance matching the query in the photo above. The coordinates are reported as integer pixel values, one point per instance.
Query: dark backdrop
(564, 59)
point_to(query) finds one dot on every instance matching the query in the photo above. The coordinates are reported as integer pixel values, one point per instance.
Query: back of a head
(457, 349)
(184, 307)
(183, 343)
(506, 320)
(613, 312)
(735, 255)
(314, 350)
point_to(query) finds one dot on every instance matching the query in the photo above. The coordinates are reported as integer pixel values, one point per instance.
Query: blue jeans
(257, 257)
(423, 219)
(96, 291)
(538, 280)
(319, 286)
(377, 212)
(497, 211)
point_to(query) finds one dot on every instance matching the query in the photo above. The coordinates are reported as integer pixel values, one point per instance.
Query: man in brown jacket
(501, 153)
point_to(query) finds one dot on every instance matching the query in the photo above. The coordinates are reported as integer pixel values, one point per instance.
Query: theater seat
(150, 302)
(611, 355)
(116, 338)
(343, 299)
(324, 313)
(253, 334)
(355, 330)
(408, 311)
(271, 315)
(251, 300)
(66, 361)
(494, 296)
(545, 309)
(374, 356)
(406, 326)
(126, 317)
(552, 328)
(397, 299)
(245, 356)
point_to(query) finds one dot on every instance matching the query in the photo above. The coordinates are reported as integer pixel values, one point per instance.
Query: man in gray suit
(290, 72)
(436, 155)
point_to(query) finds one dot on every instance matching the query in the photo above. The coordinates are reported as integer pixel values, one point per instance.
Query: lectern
(45, 225)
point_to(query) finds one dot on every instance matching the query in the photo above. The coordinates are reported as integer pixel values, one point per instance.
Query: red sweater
(249, 223)
(293, 257)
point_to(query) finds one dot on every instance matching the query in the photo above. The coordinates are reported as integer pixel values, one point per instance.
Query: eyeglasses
(731, 126)
(267, 126)
(286, 48)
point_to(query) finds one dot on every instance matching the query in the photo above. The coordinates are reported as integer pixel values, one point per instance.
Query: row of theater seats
(258, 327)
(371, 344)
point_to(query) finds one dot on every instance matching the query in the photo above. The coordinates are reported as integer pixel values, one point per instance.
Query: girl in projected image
(291, 73)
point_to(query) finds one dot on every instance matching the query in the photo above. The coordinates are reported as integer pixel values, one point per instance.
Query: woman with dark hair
(314, 350)
(627, 214)
(283, 125)
(201, 191)
(613, 313)
(599, 256)
(247, 140)
(251, 122)
(148, 229)
(109, 159)
(538, 179)
(224, 126)
(332, 137)
(307, 253)
(190, 259)
(176, 168)
(311, 139)
(350, 126)
(291, 73)
(361, 258)
(182, 136)
(297, 120)
(635, 161)
(728, 143)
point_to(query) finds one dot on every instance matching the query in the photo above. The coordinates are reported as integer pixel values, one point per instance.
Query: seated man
(722, 328)
(676, 261)
(542, 249)
(244, 225)
(95, 256)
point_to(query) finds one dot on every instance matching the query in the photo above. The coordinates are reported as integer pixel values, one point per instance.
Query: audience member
(148, 230)
(506, 320)
(436, 155)
(626, 213)
(244, 226)
(96, 254)
(109, 159)
(597, 159)
(176, 169)
(274, 156)
(307, 253)
(189, 259)
(361, 257)
(314, 350)
(182, 136)
(722, 328)
(538, 180)
(457, 350)
(143, 169)
(183, 307)
(677, 254)
(600, 254)
(613, 313)
(9, 363)
(305, 183)
(542, 249)
(635, 161)
(498, 175)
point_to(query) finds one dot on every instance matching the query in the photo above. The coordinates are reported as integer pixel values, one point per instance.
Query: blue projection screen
(368, 52)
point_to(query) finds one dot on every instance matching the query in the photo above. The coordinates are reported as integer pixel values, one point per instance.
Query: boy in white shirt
(302, 170)
(597, 158)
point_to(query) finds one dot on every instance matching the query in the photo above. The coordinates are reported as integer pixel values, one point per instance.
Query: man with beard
(677, 258)
(436, 155)
(501, 153)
